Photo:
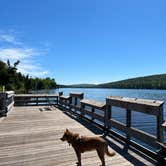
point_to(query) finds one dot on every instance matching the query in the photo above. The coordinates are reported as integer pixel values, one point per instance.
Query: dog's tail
(109, 153)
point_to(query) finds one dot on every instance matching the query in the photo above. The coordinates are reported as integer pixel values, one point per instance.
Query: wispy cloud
(15, 53)
(28, 56)
(32, 67)
(8, 38)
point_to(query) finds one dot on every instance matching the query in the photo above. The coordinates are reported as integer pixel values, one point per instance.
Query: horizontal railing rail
(93, 110)
(36, 99)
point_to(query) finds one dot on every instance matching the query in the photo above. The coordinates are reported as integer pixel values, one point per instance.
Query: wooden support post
(3, 110)
(66, 102)
(57, 100)
(37, 101)
(75, 101)
(160, 130)
(82, 109)
(93, 110)
(107, 116)
(69, 101)
(128, 121)
(60, 93)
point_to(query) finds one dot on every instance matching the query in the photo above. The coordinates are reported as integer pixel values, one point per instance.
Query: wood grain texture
(29, 137)
(151, 107)
(93, 103)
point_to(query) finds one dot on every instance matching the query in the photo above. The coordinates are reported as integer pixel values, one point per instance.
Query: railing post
(36, 100)
(128, 121)
(82, 109)
(108, 116)
(160, 120)
(3, 110)
(75, 101)
(93, 110)
(58, 98)
(69, 102)
(6, 102)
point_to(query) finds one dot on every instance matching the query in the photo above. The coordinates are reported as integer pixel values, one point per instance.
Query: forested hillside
(13, 80)
(148, 82)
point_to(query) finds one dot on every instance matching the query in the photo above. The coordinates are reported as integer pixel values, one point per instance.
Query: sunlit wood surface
(31, 137)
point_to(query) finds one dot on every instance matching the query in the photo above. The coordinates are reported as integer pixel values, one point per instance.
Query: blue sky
(84, 41)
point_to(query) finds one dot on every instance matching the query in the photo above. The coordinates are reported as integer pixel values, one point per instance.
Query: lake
(139, 120)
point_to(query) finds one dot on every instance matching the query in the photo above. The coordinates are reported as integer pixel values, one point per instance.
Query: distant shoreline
(109, 88)
(147, 82)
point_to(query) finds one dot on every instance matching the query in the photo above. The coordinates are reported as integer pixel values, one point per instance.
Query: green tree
(14, 80)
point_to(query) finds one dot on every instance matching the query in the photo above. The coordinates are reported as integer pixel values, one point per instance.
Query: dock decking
(31, 137)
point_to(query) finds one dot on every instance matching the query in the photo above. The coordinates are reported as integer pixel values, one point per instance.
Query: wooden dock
(31, 137)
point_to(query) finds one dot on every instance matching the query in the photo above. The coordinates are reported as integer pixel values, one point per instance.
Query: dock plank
(31, 137)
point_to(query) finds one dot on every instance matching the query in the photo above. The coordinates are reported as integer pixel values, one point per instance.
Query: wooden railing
(35, 99)
(93, 110)
(101, 115)
(149, 107)
(6, 102)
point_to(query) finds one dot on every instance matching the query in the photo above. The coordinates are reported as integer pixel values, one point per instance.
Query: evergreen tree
(14, 80)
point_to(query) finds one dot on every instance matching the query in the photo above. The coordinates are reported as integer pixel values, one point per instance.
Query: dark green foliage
(148, 82)
(14, 80)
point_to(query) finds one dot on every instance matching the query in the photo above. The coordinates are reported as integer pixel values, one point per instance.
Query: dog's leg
(78, 157)
(100, 153)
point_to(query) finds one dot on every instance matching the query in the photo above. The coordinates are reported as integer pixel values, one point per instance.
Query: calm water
(139, 120)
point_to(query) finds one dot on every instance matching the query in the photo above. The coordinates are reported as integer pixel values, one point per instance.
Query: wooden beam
(143, 136)
(141, 105)
(160, 130)
(77, 95)
(93, 103)
(93, 115)
(128, 121)
(107, 116)
(35, 95)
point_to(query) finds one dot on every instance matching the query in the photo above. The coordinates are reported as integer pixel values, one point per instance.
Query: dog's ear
(67, 130)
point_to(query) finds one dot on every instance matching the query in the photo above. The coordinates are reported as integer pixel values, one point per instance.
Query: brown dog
(82, 144)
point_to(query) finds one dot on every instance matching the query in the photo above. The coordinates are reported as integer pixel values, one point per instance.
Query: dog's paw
(78, 164)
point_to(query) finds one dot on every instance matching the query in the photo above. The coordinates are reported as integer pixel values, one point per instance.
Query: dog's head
(69, 136)
(66, 136)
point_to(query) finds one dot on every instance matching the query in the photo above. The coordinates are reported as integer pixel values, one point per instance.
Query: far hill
(78, 86)
(147, 82)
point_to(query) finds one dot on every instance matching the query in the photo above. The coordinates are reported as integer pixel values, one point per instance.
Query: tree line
(148, 82)
(14, 80)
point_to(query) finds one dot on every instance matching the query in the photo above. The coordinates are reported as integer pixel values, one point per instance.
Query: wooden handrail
(101, 114)
(93, 103)
(107, 122)
(77, 95)
(140, 105)
(36, 99)
(151, 107)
